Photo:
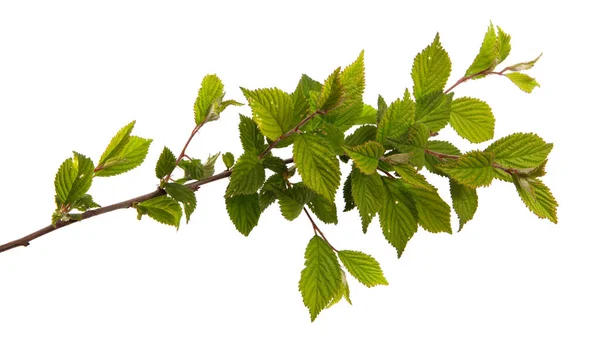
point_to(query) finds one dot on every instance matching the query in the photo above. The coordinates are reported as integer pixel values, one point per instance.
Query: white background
(72, 74)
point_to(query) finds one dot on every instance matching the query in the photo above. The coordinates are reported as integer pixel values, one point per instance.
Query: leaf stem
(470, 77)
(183, 151)
(317, 230)
(443, 156)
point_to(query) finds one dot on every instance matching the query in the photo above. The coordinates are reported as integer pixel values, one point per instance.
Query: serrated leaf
(397, 159)
(367, 116)
(334, 137)
(366, 156)
(473, 169)
(472, 119)
(367, 191)
(85, 203)
(464, 201)
(503, 42)
(414, 142)
(382, 107)
(228, 160)
(520, 150)
(321, 278)
(342, 292)
(524, 65)
(129, 157)
(193, 169)
(525, 82)
(538, 198)
(73, 179)
(210, 96)
(162, 209)
(117, 143)
(363, 267)
(244, 211)
(434, 212)
(268, 193)
(247, 176)
(166, 163)
(209, 165)
(433, 110)
(272, 110)
(487, 57)
(431, 69)
(324, 210)
(398, 214)
(184, 195)
(410, 175)
(301, 95)
(396, 120)
(252, 140)
(292, 201)
(442, 147)
(347, 191)
(361, 135)
(317, 165)
(274, 164)
(332, 93)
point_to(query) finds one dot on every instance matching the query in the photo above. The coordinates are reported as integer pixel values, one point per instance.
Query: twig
(317, 230)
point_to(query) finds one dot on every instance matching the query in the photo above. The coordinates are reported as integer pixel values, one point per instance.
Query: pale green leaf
(433, 110)
(464, 201)
(397, 159)
(410, 175)
(129, 157)
(382, 106)
(503, 45)
(210, 96)
(272, 110)
(414, 142)
(73, 179)
(398, 215)
(244, 211)
(162, 209)
(524, 65)
(321, 278)
(363, 267)
(473, 169)
(209, 165)
(84, 203)
(367, 116)
(431, 69)
(472, 119)
(487, 58)
(317, 165)
(366, 156)
(434, 212)
(166, 163)
(332, 93)
(342, 292)
(520, 150)
(538, 198)
(183, 194)
(247, 176)
(523, 81)
(117, 143)
(361, 135)
(228, 160)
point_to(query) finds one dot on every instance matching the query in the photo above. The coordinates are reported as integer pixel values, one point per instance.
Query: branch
(317, 230)
(467, 78)
(25, 240)
(448, 156)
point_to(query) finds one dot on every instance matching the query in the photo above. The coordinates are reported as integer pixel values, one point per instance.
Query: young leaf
(321, 278)
(487, 57)
(367, 116)
(473, 169)
(117, 143)
(396, 120)
(252, 140)
(334, 137)
(129, 157)
(367, 191)
(193, 169)
(397, 159)
(538, 198)
(209, 166)
(332, 93)
(472, 119)
(184, 195)
(348, 200)
(342, 292)
(85, 203)
(318, 166)
(524, 65)
(503, 45)
(363, 267)
(209, 98)
(247, 176)
(413, 141)
(464, 201)
(272, 110)
(431, 69)
(324, 210)
(520, 150)
(73, 179)
(361, 135)
(166, 163)
(366, 156)
(398, 214)
(268, 193)
(433, 110)
(411, 176)
(301, 95)
(228, 160)
(434, 213)
(442, 147)
(162, 209)
(292, 201)
(244, 211)
(523, 81)
(274, 164)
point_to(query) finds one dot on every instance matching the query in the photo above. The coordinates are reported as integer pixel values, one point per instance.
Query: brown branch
(442, 156)
(25, 240)
(467, 78)
(317, 230)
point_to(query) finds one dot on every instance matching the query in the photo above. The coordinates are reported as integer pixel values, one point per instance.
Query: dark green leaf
(166, 163)
(464, 201)
(252, 140)
(184, 195)
(244, 211)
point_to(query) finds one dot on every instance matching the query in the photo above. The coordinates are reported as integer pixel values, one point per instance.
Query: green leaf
(520, 150)
(538, 198)
(503, 43)
(85, 203)
(473, 169)
(301, 95)
(129, 157)
(367, 191)
(397, 159)
(162, 209)
(410, 175)
(228, 160)
(342, 292)
(247, 176)
(523, 81)
(317, 165)
(252, 140)
(324, 210)
(472, 119)
(321, 278)
(268, 193)
(193, 169)
(361, 135)
(396, 120)
(442, 147)
(292, 201)
(244, 211)
(274, 164)
(431, 69)
(434, 213)
(487, 57)
(73, 179)
(334, 137)
(464, 201)
(166, 163)
(382, 106)
(209, 166)
(184, 195)
(433, 110)
(413, 141)
(524, 65)
(117, 143)
(363, 267)
(332, 93)
(366, 156)
(398, 214)
(347, 191)
(368, 115)
(272, 110)
(209, 98)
